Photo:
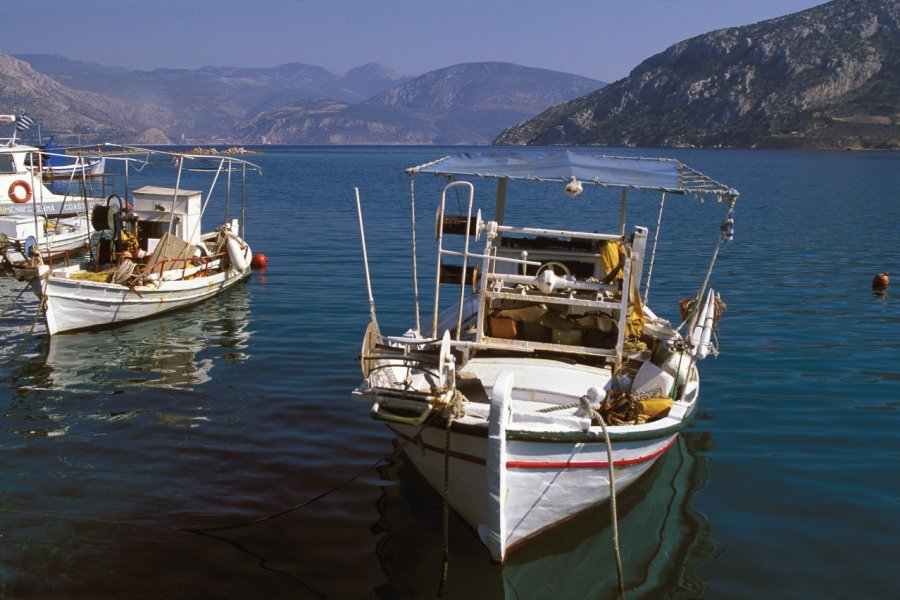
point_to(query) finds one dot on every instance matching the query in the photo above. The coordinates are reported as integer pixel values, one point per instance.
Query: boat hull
(74, 304)
(514, 470)
(545, 483)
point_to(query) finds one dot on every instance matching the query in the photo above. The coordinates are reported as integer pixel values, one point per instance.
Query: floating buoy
(882, 280)
(258, 261)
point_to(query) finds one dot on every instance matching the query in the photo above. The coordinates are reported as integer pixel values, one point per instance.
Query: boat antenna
(362, 235)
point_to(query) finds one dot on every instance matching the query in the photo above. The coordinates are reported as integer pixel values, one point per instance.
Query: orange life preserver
(15, 196)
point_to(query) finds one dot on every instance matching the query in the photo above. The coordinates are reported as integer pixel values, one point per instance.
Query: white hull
(516, 471)
(73, 304)
(71, 236)
(539, 492)
(93, 167)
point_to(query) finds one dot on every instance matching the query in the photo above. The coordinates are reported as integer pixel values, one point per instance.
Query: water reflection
(174, 352)
(663, 541)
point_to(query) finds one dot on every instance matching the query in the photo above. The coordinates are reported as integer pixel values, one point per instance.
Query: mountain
(827, 77)
(296, 103)
(206, 103)
(463, 104)
(70, 114)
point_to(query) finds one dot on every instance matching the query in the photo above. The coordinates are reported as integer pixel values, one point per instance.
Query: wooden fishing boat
(547, 384)
(150, 256)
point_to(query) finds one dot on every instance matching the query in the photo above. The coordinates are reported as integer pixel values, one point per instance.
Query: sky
(602, 39)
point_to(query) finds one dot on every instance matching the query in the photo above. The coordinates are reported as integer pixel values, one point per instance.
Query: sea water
(118, 445)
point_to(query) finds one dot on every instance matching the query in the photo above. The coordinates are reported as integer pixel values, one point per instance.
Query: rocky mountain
(292, 103)
(70, 114)
(463, 104)
(205, 104)
(827, 77)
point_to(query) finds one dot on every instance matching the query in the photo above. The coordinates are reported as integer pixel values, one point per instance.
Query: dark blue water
(786, 486)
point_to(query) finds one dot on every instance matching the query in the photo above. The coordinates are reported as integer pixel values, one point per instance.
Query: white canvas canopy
(657, 174)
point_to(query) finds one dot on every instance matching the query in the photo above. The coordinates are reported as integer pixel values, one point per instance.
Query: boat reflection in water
(663, 541)
(174, 352)
(116, 374)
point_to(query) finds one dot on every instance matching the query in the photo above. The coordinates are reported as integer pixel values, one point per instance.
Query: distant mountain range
(827, 77)
(464, 104)
(290, 104)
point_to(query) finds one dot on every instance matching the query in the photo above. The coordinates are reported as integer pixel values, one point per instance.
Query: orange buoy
(882, 280)
(258, 261)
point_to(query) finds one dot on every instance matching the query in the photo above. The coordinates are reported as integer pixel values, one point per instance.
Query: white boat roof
(656, 174)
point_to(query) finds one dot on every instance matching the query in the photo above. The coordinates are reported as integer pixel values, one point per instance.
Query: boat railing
(545, 288)
(529, 266)
(198, 263)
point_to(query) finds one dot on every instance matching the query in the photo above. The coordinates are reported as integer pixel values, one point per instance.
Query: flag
(23, 123)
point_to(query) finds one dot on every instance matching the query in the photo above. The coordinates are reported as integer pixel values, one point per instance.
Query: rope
(386, 457)
(16, 299)
(586, 404)
(445, 513)
(662, 203)
(124, 272)
(41, 307)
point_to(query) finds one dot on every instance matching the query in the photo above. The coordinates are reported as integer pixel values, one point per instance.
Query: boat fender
(236, 254)
(19, 191)
(708, 324)
(678, 365)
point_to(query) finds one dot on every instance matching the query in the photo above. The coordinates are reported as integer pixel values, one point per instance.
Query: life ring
(14, 191)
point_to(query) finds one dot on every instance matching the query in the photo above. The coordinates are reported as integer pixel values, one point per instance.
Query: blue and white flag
(23, 122)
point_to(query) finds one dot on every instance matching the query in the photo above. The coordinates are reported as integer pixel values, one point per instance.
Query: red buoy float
(882, 280)
(258, 261)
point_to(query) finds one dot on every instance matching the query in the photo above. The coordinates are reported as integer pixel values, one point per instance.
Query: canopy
(659, 174)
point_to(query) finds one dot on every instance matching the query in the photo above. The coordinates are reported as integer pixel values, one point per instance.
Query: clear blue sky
(603, 39)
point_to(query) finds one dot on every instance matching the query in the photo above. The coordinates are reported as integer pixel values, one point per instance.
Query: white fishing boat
(63, 166)
(151, 255)
(547, 384)
(33, 218)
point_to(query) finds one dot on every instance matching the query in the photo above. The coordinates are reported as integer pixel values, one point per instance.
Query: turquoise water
(785, 486)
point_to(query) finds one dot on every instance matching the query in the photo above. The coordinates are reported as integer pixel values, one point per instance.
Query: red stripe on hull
(570, 464)
(522, 464)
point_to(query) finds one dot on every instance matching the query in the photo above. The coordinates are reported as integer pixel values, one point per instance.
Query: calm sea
(786, 486)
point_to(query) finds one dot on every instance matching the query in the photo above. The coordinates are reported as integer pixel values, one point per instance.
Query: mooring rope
(42, 306)
(612, 510)
(445, 512)
(586, 403)
(16, 299)
(386, 457)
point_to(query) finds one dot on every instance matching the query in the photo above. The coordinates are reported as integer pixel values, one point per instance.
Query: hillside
(294, 103)
(463, 104)
(72, 115)
(827, 77)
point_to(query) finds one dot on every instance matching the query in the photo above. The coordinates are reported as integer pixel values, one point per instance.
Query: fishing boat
(544, 383)
(151, 255)
(57, 162)
(33, 218)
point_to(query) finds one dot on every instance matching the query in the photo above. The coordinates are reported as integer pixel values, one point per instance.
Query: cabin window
(7, 166)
